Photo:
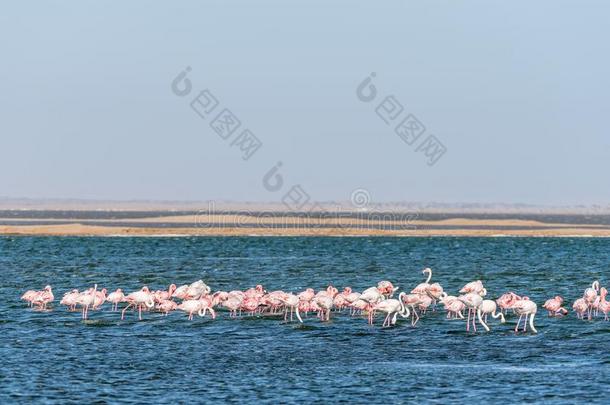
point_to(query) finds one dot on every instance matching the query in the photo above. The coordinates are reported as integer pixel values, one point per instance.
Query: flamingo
(448, 301)
(69, 299)
(274, 300)
(472, 300)
(250, 304)
(392, 307)
(506, 301)
(196, 290)
(386, 288)
(371, 296)
(28, 296)
(488, 307)
(411, 300)
(166, 306)
(340, 302)
(474, 287)
(115, 298)
(424, 303)
(455, 307)
(325, 302)
(207, 304)
(604, 306)
(306, 295)
(291, 303)
(190, 307)
(257, 291)
(165, 295)
(435, 291)
(554, 306)
(525, 307)
(580, 307)
(142, 298)
(350, 299)
(86, 299)
(181, 291)
(44, 297)
(590, 296)
(99, 298)
(233, 303)
(423, 287)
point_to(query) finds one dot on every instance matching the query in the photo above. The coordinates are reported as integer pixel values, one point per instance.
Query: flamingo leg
(474, 320)
(123, 312)
(518, 322)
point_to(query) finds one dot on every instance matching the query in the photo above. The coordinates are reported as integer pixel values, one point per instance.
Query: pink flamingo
(325, 304)
(411, 300)
(472, 301)
(28, 296)
(435, 291)
(233, 304)
(250, 304)
(115, 298)
(424, 303)
(554, 306)
(99, 299)
(580, 307)
(371, 296)
(340, 302)
(590, 296)
(422, 288)
(69, 299)
(165, 295)
(604, 306)
(475, 287)
(452, 309)
(506, 301)
(455, 308)
(358, 306)
(350, 299)
(86, 299)
(43, 298)
(207, 304)
(386, 288)
(167, 306)
(141, 299)
(257, 291)
(307, 295)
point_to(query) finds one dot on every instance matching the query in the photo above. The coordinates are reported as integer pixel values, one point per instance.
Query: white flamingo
(488, 307)
(528, 308)
(392, 307)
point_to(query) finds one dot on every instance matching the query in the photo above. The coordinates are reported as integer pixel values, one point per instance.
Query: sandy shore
(236, 225)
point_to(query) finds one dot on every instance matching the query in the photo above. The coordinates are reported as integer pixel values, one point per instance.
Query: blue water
(55, 357)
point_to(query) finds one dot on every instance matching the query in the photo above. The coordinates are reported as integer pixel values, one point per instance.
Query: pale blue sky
(517, 91)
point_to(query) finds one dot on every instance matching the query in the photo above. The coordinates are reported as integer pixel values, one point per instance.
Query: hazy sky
(518, 92)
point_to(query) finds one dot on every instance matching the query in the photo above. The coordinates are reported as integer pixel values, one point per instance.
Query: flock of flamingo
(197, 298)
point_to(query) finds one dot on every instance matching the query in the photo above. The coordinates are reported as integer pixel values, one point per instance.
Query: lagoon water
(54, 357)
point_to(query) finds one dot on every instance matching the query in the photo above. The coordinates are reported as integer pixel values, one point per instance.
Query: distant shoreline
(238, 223)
